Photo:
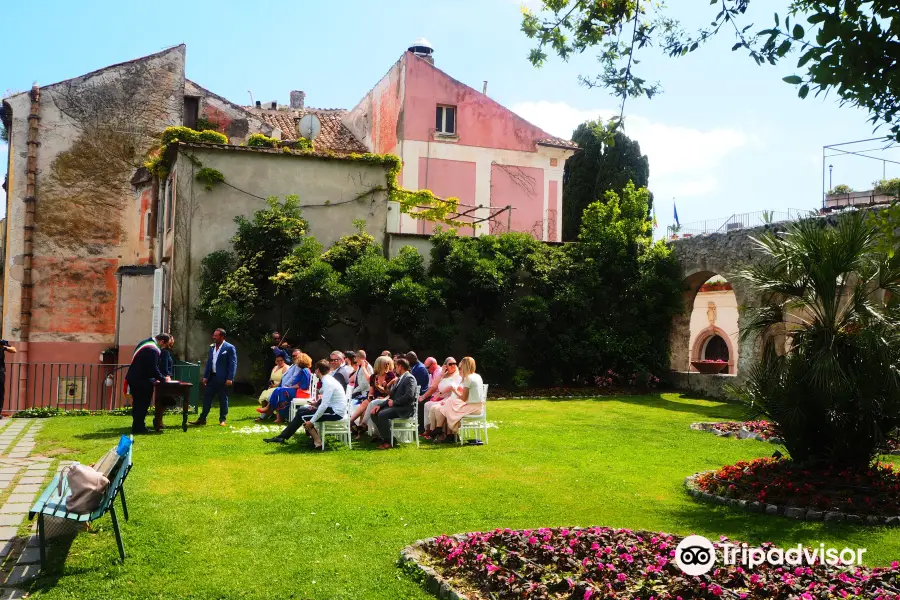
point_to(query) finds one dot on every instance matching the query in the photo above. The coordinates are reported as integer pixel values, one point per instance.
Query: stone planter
(709, 368)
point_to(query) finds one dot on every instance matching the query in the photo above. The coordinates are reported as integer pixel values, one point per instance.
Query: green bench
(52, 504)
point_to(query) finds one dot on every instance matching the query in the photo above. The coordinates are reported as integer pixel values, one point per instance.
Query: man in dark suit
(221, 365)
(143, 374)
(400, 405)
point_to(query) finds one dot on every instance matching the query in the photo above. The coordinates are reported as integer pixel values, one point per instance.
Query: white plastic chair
(408, 426)
(475, 422)
(298, 402)
(339, 429)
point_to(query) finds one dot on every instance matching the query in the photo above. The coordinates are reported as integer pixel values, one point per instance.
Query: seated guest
(275, 376)
(359, 381)
(465, 400)
(339, 369)
(400, 404)
(361, 357)
(446, 385)
(386, 353)
(434, 375)
(418, 371)
(280, 398)
(332, 407)
(378, 389)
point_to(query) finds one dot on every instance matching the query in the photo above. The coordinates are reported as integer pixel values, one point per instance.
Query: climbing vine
(209, 177)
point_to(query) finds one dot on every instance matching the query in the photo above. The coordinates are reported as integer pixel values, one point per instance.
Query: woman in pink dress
(449, 380)
(467, 399)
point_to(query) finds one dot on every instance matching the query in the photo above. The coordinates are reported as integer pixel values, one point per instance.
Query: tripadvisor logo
(696, 555)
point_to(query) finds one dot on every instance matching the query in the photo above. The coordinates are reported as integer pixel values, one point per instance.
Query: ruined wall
(94, 133)
(204, 220)
(232, 120)
(378, 118)
(701, 258)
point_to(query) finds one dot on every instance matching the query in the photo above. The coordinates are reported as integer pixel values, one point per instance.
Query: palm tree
(825, 288)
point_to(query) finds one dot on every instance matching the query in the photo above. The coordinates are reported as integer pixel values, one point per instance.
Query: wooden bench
(52, 504)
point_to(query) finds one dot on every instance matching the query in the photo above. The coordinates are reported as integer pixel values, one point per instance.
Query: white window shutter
(156, 326)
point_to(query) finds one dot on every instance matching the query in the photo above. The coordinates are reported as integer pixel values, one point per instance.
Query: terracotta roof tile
(334, 137)
(558, 143)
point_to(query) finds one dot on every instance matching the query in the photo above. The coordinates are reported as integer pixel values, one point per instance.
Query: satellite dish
(309, 126)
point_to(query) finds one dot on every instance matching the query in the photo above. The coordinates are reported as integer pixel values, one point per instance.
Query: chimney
(298, 99)
(258, 104)
(484, 89)
(274, 105)
(422, 48)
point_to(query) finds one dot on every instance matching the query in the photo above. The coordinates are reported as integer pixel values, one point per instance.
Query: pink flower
(492, 568)
(715, 590)
(806, 596)
(621, 577)
(627, 558)
(588, 593)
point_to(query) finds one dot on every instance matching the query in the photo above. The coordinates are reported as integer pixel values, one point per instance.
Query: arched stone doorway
(714, 344)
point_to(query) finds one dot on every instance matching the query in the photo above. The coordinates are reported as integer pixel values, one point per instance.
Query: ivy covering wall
(531, 313)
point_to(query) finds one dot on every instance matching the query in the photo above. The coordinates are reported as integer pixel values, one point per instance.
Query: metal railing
(867, 198)
(734, 222)
(73, 386)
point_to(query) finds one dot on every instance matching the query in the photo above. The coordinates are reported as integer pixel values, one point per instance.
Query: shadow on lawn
(755, 528)
(719, 410)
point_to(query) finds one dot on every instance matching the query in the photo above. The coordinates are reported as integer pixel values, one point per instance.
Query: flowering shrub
(600, 562)
(874, 491)
(611, 380)
(764, 429)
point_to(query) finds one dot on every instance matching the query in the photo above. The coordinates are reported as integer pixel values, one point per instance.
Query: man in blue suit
(221, 365)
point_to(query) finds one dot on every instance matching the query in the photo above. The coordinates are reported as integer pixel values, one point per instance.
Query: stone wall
(701, 258)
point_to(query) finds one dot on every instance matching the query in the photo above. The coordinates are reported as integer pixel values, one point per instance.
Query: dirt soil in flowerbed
(873, 491)
(766, 431)
(601, 562)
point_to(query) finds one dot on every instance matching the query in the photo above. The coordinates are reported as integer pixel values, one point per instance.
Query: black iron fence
(73, 386)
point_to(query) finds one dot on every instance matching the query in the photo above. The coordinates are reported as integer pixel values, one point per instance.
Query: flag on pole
(675, 208)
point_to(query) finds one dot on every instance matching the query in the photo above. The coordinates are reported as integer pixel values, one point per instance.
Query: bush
(841, 188)
(258, 140)
(212, 137)
(890, 187)
(179, 134)
(834, 396)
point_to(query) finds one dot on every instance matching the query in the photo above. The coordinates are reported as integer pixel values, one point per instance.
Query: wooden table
(172, 388)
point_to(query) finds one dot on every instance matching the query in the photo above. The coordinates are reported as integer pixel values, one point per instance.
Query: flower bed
(764, 430)
(760, 430)
(600, 562)
(777, 486)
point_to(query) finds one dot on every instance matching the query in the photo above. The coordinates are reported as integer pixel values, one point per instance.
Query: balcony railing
(734, 223)
(70, 386)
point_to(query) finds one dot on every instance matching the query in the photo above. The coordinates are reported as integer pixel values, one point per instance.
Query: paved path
(22, 477)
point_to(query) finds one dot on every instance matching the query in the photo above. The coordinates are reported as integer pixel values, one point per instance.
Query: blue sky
(725, 137)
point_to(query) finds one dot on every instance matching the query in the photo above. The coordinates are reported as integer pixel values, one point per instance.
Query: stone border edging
(433, 582)
(791, 512)
(741, 434)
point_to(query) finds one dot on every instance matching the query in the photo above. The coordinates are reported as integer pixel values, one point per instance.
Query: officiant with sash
(142, 376)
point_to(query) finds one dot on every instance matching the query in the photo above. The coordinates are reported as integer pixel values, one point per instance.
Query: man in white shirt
(332, 407)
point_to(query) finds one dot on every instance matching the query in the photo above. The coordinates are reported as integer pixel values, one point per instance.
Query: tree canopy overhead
(847, 47)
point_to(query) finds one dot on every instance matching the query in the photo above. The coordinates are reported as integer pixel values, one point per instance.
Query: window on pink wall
(445, 120)
(447, 178)
(523, 189)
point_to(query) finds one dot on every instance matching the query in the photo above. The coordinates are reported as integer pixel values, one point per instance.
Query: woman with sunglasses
(449, 381)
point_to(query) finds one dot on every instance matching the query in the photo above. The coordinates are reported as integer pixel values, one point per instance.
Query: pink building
(456, 141)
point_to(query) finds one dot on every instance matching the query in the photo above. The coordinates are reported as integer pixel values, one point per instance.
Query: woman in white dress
(467, 399)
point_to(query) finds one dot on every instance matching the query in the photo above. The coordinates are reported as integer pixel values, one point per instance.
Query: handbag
(87, 488)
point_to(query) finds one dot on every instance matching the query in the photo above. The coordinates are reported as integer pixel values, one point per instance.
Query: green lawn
(216, 514)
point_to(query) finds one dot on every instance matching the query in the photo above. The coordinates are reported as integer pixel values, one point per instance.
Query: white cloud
(684, 161)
